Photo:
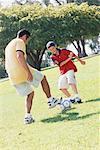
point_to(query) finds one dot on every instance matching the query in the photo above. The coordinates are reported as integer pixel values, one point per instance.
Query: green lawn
(76, 129)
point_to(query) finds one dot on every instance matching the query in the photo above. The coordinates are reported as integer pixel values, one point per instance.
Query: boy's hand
(82, 62)
(70, 55)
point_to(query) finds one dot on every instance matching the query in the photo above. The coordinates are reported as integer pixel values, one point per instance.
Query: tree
(63, 24)
(22, 2)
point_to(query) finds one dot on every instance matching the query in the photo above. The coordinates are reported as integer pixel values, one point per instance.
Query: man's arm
(22, 61)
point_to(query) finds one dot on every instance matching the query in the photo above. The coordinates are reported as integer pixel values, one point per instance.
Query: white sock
(71, 97)
(28, 115)
(50, 98)
(76, 95)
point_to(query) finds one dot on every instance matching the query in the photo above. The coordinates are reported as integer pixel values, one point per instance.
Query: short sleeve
(67, 52)
(20, 46)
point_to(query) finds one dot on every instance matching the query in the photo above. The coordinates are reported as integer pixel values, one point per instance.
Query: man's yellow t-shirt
(17, 74)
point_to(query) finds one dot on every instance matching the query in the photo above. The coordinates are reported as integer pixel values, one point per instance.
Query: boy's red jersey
(63, 55)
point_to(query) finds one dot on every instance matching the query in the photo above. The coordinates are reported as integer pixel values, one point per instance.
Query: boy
(63, 58)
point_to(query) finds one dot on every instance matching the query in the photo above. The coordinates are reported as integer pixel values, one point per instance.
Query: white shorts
(66, 79)
(25, 88)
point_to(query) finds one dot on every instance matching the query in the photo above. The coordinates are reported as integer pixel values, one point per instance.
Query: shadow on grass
(69, 117)
(93, 100)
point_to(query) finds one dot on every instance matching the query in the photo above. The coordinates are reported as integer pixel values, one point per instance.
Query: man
(63, 58)
(22, 76)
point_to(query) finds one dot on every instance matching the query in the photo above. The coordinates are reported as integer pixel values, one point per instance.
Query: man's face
(52, 49)
(25, 38)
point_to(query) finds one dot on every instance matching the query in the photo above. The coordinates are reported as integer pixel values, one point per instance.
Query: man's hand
(30, 77)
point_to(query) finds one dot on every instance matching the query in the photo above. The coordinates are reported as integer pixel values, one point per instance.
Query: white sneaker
(53, 102)
(78, 100)
(28, 120)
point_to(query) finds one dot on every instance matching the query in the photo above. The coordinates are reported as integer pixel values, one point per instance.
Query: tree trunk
(83, 48)
(78, 47)
(35, 60)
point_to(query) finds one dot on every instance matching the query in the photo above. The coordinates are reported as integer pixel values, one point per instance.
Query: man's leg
(52, 102)
(38, 78)
(46, 87)
(24, 89)
(28, 105)
(28, 102)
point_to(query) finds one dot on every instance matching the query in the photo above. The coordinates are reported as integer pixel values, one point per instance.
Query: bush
(3, 73)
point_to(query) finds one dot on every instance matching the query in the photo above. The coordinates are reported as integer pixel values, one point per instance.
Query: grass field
(76, 129)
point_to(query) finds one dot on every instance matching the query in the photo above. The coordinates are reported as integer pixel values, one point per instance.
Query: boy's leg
(74, 88)
(65, 91)
(72, 83)
(63, 85)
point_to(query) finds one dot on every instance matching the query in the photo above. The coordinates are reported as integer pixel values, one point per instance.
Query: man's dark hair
(22, 32)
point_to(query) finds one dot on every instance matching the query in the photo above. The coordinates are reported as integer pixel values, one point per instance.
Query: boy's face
(52, 49)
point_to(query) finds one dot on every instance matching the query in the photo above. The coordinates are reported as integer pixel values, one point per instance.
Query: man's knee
(31, 94)
(44, 79)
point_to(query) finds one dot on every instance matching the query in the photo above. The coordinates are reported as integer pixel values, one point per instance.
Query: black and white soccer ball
(65, 104)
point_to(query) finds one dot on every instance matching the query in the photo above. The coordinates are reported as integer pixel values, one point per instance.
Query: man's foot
(53, 102)
(28, 120)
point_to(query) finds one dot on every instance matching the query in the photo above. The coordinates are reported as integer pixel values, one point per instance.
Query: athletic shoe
(78, 100)
(53, 102)
(72, 100)
(28, 120)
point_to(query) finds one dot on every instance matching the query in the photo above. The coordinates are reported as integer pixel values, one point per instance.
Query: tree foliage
(62, 24)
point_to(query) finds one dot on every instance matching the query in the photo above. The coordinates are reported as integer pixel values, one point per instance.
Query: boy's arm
(81, 61)
(67, 60)
(71, 55)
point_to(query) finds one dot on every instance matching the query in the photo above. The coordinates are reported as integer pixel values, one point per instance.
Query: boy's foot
(78, 100)
(53, 102)
(28, 120)
(72, 100)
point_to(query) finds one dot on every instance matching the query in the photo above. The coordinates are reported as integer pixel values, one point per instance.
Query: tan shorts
(25, 88)
(66, 79)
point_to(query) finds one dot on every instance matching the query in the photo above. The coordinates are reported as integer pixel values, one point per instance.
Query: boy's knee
(62, 89)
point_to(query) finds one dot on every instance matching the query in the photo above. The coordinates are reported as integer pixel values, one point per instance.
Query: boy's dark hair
(22, 32)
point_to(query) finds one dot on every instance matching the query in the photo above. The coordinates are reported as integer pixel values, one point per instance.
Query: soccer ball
(65, 104)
